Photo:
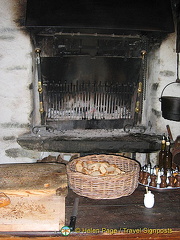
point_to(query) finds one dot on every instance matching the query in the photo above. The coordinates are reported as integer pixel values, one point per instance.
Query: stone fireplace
(110, 123)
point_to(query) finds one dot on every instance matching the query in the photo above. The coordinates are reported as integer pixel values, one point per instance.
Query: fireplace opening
(84, 90)
(90, 77)
(91, 81)
(92, 66)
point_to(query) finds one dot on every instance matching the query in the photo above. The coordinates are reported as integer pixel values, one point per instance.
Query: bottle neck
(168, 146)
(163, 145)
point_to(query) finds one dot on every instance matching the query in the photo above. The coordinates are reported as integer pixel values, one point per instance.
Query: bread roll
(79, 166)
(4, 200)
(94, 168)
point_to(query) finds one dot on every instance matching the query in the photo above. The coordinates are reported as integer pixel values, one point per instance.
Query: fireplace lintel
(126, 142)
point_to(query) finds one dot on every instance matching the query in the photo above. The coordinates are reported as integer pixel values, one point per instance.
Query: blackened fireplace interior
(91, 61)
(93, 83)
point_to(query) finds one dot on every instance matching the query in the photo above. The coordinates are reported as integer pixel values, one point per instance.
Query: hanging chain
(178, 80)
(144, 66)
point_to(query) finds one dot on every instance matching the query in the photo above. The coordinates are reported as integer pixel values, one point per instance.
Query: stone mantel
(88, 141)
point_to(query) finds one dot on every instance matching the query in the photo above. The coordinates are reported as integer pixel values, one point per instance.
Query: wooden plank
(33, 213)
(32, 189)
(173, 236)
(127, 212)
(33, 178)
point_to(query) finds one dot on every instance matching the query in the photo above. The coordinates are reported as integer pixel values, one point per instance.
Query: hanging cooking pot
(170, 106)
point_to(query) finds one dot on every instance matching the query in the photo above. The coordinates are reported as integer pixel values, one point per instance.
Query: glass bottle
(168, 156)
(162, 153)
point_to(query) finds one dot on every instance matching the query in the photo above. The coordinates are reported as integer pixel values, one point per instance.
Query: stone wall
(15, 82)
(161, 71)
(162, 68)
(17, 79)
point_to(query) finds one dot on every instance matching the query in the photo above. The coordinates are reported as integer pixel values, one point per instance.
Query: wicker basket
(104, 187)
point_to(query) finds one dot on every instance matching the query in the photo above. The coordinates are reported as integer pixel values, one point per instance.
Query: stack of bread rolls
(94, 168)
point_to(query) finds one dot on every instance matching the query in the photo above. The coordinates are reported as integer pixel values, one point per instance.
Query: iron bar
(89, 101)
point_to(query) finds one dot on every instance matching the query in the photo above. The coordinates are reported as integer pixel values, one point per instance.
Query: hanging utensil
(170, 106)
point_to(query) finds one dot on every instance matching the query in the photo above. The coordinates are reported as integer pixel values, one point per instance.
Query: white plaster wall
(162, 68)
(15, 78)
(161, 71)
